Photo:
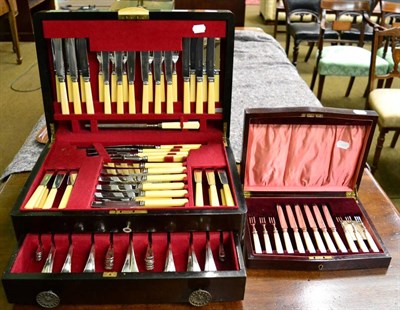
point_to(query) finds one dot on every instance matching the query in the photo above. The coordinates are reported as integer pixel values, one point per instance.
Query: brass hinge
(351, 194)
(133, 13)
(312, 115)
(224, 134)
(247, 194)
(111, 274)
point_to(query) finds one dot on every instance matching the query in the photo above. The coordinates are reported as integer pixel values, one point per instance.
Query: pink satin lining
(303, 157)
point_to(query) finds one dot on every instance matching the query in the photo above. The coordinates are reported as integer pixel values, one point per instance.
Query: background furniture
(9, 7)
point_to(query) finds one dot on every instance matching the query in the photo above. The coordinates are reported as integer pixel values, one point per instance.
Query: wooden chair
(9, 7)
(385, 101)
(345, 56)
(280, 8)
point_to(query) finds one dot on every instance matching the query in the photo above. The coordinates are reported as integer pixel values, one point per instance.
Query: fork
(359, 238)
(267, 242)
(256, 240)
(348, 234)
(371, 241)
(278, 243)
(175, 58)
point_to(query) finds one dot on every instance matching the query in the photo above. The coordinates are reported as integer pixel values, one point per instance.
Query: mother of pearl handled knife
(314, 227)
(322, 226)
(293, 225)
(332, 226)
(38, 193)
(302, 225)
(60, 72)
(286, 238)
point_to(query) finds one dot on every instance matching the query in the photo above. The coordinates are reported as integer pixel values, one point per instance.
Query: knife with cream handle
(131, 60)
(293, 225)
(144, 60)
(157, 81)
(60, 72)
(105, 63)
(53, 192)
(212, 191)
(349, 235)
(70, 184)
(359, 238)
(302, 225)
(199, 201)
(322, 226)
(34, 200)
(140, 186)
(186, 75)
(199, 76)
(119, 77)
(332, 226)
(168, 77)
(140, 202)
(210, 74)
(73, 69)
(83, 63)
(164, 170)
(286, 238)
(140, 178)
(57, 83)
(100, 79)
(370, 240)
(225, 186)
(193, 44)
(314, 227)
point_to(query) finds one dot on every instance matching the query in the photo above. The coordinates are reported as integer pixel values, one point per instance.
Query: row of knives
(117, 72)
(130, 262)
(358, 238)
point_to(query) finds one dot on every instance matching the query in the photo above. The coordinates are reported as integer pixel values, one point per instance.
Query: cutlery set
(117, 81)
(322, 230)
(124, 251)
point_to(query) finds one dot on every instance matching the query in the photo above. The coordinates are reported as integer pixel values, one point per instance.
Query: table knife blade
(105, 68)
(186, 75)
(314, 227)
(322, 226)
(168, 77)
(60, 72)
(284, 227)
(332, 226)
(302, 225)
(73, 69)
(118, 58)
(83, 63)
(131, 61)
(199, 76)
(293, 225)
(193, 44)
(210, 59)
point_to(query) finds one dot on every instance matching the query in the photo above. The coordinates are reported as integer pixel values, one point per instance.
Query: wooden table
(277, 289)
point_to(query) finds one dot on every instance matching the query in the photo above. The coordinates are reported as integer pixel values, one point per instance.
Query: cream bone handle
(278, 243)
(186, 96)
(299, 243)
(257, 244)
(40, 191)
(165, 193)
(309, 243)
(371, 241)
(329, 241)
(360, 240)
(107, 98)
(320, 243)
(76, 97)
(63, 98)
(267, 242)
(163, 202)
(131, 98)
(339, 241)
(288, 243)
(88, 96)
(350, 241)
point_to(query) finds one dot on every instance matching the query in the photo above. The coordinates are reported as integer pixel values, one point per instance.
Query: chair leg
(378, 149)
(310, 49)
(314, 77)
(276, 21)
(295, 52)
(350, 86)
(388, 83)
(14, 34)
(287, 46)
(320, 86)
(395, 138)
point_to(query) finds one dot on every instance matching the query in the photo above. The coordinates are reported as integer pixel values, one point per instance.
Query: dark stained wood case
(308, 156)
(73, 135)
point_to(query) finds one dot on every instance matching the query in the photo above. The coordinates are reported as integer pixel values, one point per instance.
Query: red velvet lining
(25, 260)
(303, 157)
(338, 207)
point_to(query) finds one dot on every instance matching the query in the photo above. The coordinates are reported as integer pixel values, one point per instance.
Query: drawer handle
(200, 298)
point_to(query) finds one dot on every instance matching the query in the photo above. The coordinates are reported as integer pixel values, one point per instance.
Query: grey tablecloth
(262, 77)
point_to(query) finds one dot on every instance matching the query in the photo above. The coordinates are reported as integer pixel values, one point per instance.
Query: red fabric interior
(25, 261)
(338, 207)
(303, 157)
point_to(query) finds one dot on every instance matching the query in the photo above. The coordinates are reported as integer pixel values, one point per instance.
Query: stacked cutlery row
(134, 253)
(159, 78)
(53, 191)
(348, 235)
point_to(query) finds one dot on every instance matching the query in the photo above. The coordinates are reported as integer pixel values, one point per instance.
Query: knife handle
(120, 99)
(175, 86)
(162, 83)
(166, 177)
(216, 81)
(32, 202)
(222, 195)
(170, 99)
(176, 193)
(43, 197)
(82, 87)
(157, 99)
(199, 202)
(57, 89)
(257, 244)
(329, 242)
(199, 97)
(205, 95)
(278, 243)
(211, 97)
(107, 99)
(186, 97)
(88, 96)
(267, 242)
(77, 98)
(339, 242)
(320, 243)
(101, 86)
(50, 199)
(64, 98)
(192, 87)
(350, 241)
(150, 82)
(131, 98)
(65, 197)
(213, 193)
(162, 186)
(299, 243)
(309, 244)
(165, 202)
(113, 87)
(228, 196)
(69, 87)
(125, 87)
(371, 241)
(360, 241)
(145, 99)
(288, 243)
